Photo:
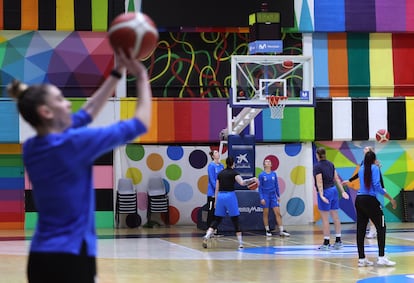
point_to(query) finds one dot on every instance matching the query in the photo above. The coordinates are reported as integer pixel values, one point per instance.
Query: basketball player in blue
(214, 167)
(59, 161)
(226, 200)
(270, 197)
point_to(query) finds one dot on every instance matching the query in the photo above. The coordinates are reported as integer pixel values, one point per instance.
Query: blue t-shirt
(327, 169)
(268, 184)
(60, 169)
(213, 169)
(375, 187)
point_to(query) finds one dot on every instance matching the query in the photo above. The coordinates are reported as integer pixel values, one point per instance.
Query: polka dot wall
(184, 172)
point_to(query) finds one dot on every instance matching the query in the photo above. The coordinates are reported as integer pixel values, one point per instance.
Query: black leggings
(368, 207)
(234, 220)
(61, 267)
(210, 213)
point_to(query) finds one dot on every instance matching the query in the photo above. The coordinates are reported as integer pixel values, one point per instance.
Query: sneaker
(371, 235)
(241, 246)
(205, 242)
(324, 248)
(337, 246)
(385, 261)
(284, 233)
(362, 262)
(268, 233)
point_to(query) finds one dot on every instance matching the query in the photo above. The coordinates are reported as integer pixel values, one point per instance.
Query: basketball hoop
(277, 106)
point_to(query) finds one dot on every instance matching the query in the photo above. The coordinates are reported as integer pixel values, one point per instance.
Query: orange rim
(274, 100)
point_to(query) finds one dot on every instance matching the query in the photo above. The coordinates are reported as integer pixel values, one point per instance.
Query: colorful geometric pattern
(77, 62)
(397, 168)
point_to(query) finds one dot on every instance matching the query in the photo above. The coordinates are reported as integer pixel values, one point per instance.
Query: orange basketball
(133, 31)
(253, 186)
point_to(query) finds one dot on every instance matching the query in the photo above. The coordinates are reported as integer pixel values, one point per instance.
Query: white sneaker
(382, 260)
(241, 246)
(362, 262)
(269, 234)
(284, 234)
(371, 235)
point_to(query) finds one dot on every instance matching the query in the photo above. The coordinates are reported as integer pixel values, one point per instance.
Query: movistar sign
(266, 46)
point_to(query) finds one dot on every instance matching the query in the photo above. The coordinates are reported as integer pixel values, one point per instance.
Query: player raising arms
(59, 162)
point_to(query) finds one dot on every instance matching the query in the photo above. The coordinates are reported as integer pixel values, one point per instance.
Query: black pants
(368, 207)
(61, 267)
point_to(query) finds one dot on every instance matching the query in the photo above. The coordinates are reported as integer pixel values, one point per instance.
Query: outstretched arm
(338, 182)
(96, 102)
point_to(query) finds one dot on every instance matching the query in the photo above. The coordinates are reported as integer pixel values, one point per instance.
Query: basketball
(133, 31)
(382, 136)
(253, 186)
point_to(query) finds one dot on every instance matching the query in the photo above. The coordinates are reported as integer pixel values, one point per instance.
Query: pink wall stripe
(103, 177)
(409, 15)
(12, 206)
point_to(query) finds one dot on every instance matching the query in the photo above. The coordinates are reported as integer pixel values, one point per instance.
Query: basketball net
(277, 106)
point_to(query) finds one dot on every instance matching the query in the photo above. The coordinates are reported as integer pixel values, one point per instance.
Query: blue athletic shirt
(375, 182)
(213, 169)
(268, 184)
(60, 169)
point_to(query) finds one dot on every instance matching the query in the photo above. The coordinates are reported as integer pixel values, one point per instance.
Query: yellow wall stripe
(409, 106)
(381, 66)
(65, 15)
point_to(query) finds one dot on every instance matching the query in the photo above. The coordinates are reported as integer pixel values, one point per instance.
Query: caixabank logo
(242, 161)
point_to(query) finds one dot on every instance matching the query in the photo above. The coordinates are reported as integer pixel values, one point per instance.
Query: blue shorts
(270, 200)
(332, 195)
(226, 202)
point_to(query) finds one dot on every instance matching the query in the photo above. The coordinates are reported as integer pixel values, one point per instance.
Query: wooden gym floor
(175, 254)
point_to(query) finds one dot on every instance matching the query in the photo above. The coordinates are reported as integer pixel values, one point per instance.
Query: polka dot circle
(183, 192)
(194, 214)
(295, 206)
(135, 174)
(198, 159)
(142, 201)
(167, 185)
(135, 151)
(175, 152)
(155, 162)
(293, 149)
(173, 172)
(258, 171)
(174, 216)
(297, 175)
(274, 160)
(202, 184)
